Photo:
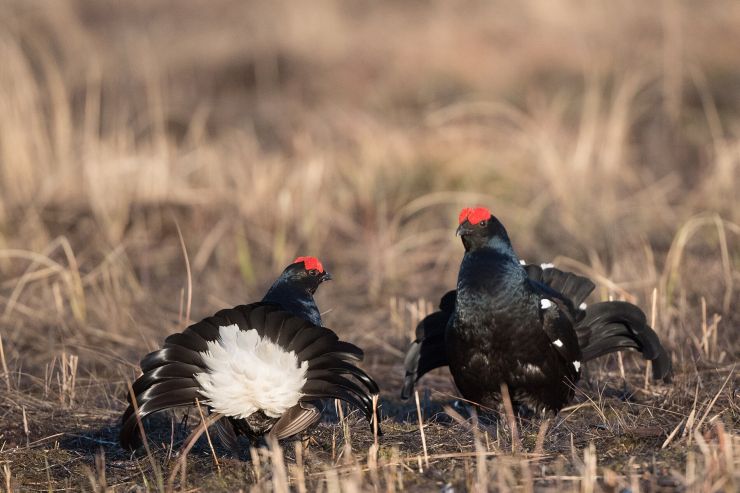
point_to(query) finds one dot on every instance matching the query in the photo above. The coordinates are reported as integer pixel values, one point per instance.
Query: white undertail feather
(248, 373)
(558, 342)
(545, 303)
(532, 370)
(547, 265)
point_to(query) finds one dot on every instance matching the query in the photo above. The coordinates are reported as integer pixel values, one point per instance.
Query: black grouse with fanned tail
(526, 326)
(263, 366)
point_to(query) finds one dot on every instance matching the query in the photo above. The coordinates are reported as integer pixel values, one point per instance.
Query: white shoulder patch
(558, 343)
(577, 365)
(522, 262)
(547, 265)
(545, 303)
(583, 306)
(247, 373)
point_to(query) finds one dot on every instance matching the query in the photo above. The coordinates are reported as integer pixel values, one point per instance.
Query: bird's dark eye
(482, 223)
(313, 272)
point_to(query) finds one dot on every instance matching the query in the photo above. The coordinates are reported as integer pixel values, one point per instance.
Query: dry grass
(605, 133)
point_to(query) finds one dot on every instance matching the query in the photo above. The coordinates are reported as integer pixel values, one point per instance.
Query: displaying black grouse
(262, 366)
(525, 326)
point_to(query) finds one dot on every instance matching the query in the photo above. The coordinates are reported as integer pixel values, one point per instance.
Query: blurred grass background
(605, 135)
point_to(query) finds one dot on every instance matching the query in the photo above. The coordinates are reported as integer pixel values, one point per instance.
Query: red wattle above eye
(310, 263)
(474, 215)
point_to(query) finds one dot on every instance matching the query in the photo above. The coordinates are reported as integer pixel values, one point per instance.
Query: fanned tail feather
(165, 384)
(617, 325)
(130, 437)
(168, 380)
(330, 363)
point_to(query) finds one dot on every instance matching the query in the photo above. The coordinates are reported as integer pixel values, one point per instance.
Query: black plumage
(525, 326)
(287, 316)
(428, 351)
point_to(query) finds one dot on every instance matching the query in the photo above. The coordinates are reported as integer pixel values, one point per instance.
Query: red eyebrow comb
(310, 263)
(474, 215)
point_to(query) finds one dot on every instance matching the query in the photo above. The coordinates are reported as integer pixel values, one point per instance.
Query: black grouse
(525, 326)
(263, 367)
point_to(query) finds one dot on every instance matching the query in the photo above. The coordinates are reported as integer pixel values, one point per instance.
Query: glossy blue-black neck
(490, 272)
(487, 268)
(294, 294)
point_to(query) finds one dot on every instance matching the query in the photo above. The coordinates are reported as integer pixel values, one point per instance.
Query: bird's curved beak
(326, 277)
(464, 229)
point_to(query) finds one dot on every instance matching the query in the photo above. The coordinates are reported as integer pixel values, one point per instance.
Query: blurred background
(354, 131)
(605, 135)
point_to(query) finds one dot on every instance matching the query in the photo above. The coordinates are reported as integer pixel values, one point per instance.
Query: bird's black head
(305, 272)
(480, 229)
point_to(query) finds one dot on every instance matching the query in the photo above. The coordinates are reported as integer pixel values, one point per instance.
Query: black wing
(606, 327)
(558, 323)
(573, 287)
(570, 288)
(428, 351)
